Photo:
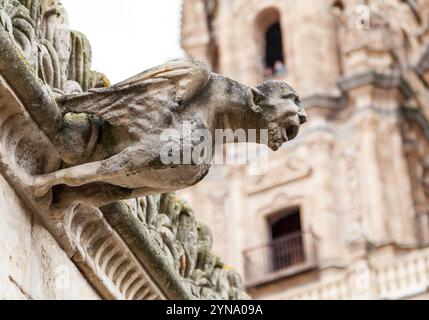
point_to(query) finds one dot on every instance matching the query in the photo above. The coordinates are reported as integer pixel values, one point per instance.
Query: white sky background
(127, 36)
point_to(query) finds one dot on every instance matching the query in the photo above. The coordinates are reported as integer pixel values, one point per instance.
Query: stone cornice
(416, 115)
(139, 239)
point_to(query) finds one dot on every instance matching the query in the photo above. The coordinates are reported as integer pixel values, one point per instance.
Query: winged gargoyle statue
(125, 160)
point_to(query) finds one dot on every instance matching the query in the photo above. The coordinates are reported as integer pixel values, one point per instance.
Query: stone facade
(33, 266)
(357, 172)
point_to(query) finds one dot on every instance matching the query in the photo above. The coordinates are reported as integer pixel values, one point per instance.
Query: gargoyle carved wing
(145, 99)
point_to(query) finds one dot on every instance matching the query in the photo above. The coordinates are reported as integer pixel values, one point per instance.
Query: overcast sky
(127, 36)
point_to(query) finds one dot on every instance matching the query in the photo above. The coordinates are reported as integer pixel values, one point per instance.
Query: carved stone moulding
(292, 169)
(328, 106)
(104, 258)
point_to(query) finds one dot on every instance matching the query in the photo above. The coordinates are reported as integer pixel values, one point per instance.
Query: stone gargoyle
(129, 118)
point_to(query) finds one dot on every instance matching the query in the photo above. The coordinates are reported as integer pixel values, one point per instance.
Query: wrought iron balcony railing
(282, 257)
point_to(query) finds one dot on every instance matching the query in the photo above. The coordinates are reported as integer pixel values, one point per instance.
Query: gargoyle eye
(293, 97)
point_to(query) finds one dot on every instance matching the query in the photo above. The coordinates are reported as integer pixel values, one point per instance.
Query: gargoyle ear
(254, 99)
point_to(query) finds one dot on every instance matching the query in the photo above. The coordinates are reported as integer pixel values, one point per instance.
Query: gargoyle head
(279, 110)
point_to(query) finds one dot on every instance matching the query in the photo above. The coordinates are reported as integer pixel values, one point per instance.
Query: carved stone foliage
(61, 57)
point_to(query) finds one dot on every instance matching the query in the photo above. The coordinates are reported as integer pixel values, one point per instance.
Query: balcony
(403, 278)
(282, 257)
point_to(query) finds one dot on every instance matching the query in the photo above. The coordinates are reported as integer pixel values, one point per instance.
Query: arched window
(270, 40)
(338, 11)
(274, 48)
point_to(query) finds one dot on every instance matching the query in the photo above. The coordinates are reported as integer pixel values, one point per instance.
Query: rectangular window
(287, 247)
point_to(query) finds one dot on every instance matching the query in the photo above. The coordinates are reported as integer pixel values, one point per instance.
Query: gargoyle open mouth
(278, 135)
(292, 131)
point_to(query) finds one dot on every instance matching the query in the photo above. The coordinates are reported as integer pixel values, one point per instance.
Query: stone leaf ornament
(185, 243)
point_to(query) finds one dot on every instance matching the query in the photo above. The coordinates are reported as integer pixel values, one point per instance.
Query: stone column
(386, 190)
(324, 220)
(374, 210)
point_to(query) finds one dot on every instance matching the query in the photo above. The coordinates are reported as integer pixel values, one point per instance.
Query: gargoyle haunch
(134, 113)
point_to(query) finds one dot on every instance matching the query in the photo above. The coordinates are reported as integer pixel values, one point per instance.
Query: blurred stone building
(343, 210)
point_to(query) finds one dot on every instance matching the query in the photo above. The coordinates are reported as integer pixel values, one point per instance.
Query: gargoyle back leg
(96, 195)
(86, 173)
